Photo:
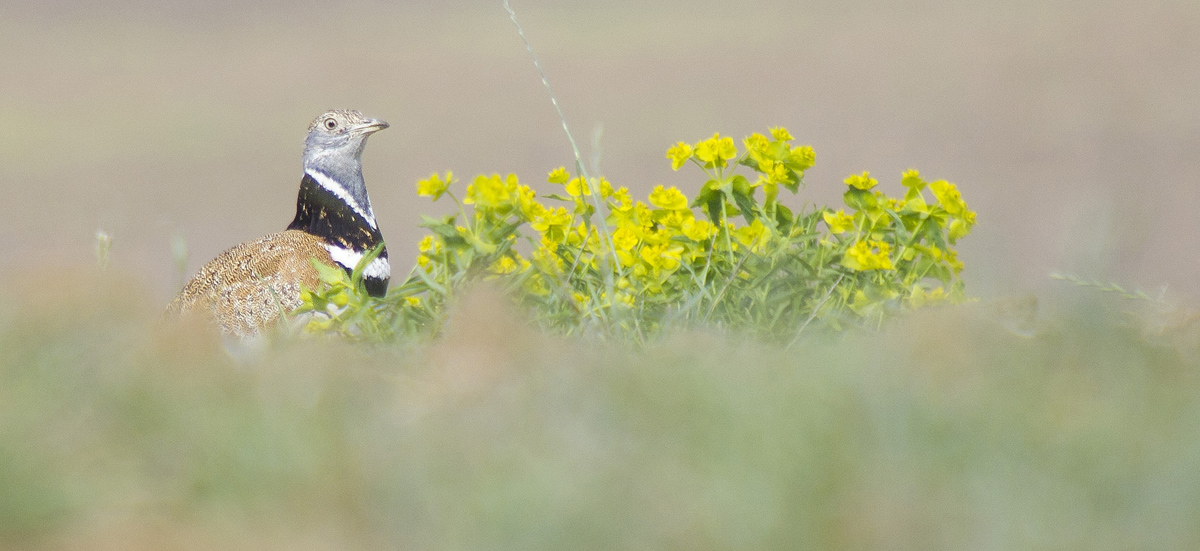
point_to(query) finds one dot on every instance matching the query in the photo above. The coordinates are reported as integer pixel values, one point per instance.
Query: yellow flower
(558, 176)
(947, 194)
(953, 261)
(528, 203)
(958, 230)
(912, 179)
(643, 213)
(576, 235)
(435, 186)
(679, 154)
(802, 158)
(426, 244)
(868, 255)
(715, 151)
(773, 172)
(780, 133)
(504, 265)
(838, 222)
(622, 197)
(636, 216)
(606, 188)
(863, 181)
(932, 252)
(581, 299)
(577, 187)
(668, 198)
(536, 285)
(595, 245)
(664, 256)
(622, 216)
(413, 301)
(672, 219)
(553, 224)
(968, 216)
(757, 145)
(318, 325)
(755, 236)
(489, 191)
(920, 297)
(698, 230)
(626, 258)
(548, 261)
(624, 239)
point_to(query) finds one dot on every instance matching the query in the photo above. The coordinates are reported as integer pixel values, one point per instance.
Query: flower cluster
(597, 259)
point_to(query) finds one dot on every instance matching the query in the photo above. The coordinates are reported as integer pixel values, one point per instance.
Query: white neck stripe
(332, 186)
(377, 269)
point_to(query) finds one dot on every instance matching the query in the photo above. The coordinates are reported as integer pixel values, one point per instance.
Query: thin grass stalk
(579, 166)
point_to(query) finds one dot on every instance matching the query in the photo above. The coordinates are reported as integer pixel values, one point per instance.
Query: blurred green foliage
(945, 431)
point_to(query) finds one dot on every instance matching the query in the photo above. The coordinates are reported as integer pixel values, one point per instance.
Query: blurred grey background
(1072, 127)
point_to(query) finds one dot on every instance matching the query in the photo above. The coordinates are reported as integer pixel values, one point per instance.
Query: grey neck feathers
(337, 167)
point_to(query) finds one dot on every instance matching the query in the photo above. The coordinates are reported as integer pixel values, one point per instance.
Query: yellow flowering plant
(601, 262)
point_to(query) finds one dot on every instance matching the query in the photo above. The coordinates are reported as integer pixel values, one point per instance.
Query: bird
(249, 286)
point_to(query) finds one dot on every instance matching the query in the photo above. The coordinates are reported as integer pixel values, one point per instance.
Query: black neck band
(325, 215)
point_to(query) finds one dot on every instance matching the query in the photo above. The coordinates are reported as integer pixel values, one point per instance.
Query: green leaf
(900, 229)
(793, 182)
(933, 234)
(356, 277)
(710, 198)
(784, 218)
(780, 151)
(318, 304)
(726, 185)
(444, 228)
(770, 193)
(739, 184)
(958, 230)
(741, 192)
(479, 244)
(713, 208)
(329, 274)
(708, 192)
(749, 162)
(859, 199)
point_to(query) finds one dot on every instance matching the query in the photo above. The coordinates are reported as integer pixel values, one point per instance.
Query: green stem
(725, 230)
(729, 281)
(461, 209)
(816, 309)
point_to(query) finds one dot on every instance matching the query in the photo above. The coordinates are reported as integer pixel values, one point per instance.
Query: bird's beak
(369, 126)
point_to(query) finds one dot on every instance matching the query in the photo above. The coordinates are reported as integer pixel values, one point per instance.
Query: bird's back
(248, 286)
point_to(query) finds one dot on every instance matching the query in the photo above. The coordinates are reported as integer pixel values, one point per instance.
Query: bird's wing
(249, 285)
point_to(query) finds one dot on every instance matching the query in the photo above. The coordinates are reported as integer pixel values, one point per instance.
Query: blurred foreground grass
(120, 431)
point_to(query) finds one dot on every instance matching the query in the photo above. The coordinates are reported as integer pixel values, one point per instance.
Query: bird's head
(333, 156)
(336, 139)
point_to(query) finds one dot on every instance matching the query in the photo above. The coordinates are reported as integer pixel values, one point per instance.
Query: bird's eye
(331, 123)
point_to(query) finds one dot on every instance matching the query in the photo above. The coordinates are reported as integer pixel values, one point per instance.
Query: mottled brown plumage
(248, 286)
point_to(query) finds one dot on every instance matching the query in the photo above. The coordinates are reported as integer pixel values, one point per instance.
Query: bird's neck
(331, 210)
